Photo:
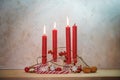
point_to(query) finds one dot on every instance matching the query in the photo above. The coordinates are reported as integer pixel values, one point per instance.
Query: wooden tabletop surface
(22, 74)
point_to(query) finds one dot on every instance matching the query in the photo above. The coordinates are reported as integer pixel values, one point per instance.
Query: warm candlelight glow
(44, 30)
(67, 21)
(54, 25)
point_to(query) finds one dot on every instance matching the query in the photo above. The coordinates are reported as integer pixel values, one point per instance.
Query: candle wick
(74, 24)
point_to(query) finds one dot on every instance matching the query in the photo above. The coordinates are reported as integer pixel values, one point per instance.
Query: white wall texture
(21, 28)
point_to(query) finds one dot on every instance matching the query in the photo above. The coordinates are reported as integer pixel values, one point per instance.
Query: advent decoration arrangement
(69, 57)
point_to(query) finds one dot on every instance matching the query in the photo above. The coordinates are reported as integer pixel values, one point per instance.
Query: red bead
(60, 54)
(50, 52)
(58, 69)
(78, 71)
(79, 68)
(26, 69)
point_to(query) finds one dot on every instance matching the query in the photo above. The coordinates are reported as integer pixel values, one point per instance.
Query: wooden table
(21, 75)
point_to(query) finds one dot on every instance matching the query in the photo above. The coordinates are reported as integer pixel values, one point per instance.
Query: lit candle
(54, 42)
(74, 43)
(68, 43)
(44, 47)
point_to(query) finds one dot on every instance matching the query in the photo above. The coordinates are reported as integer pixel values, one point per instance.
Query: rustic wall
(21, 28)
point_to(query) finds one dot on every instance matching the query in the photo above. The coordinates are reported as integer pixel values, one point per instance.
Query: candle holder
(52, 67)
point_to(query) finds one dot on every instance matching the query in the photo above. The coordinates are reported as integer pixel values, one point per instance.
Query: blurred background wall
(21, 28)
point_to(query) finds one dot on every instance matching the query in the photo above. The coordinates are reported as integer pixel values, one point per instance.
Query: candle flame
(67, 21)
(44, 30)
(54, 24)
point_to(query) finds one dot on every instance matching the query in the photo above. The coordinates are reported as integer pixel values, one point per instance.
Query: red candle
(44, 47)
(74, 43)
(68, 43)
(54, 42)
